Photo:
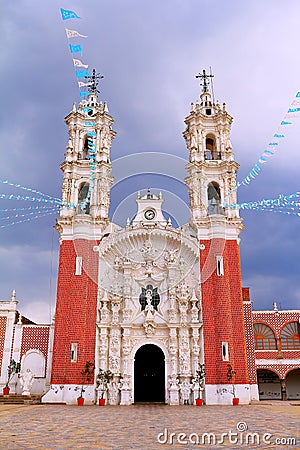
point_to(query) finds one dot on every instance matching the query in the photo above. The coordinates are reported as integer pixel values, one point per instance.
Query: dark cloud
(149, 52)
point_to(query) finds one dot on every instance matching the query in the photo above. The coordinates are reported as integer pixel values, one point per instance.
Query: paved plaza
(272, 425)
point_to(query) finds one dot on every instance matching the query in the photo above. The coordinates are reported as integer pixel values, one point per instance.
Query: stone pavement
(265, 425)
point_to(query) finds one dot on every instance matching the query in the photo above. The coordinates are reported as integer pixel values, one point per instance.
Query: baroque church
(152, 302)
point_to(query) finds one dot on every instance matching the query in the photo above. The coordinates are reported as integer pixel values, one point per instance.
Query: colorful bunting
(72, 33)
(19, 186)
(28, 219)
(66, 14)
(75, 48)
(270, 151)
(82, 84)
(279, 203)
(78, 63)
(82, 73)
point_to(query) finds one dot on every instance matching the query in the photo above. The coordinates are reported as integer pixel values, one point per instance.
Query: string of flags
(31, 213)
(52, 204)
(92, 157)
(19, 186)
(54, 201)
(29, 208)
(48, 204)
(76, 49)
(292, 113)
(27, 219)
(81, 72)
(283, 203)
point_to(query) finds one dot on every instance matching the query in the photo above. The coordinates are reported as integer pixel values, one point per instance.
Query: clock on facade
(149, 214)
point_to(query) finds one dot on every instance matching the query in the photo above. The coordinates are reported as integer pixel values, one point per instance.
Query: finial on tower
(94, 81)
(204, 80)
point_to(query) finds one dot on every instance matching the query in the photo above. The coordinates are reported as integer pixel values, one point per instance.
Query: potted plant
(14, 367)
(86, 376)
(231, 378)
(102, 380)
(198, 380)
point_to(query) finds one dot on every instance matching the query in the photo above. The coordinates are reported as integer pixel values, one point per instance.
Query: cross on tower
(204, 80)
(94, 81)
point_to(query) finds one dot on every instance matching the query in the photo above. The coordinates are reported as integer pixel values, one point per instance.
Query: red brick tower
(86, 186)
(211, 177)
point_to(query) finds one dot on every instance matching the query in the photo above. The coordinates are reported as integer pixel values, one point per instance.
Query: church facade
(150, 302)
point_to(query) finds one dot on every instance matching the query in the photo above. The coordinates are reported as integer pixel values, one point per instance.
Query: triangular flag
(78, 63)
(67, 14)
(82, 84)
(73, 33)
(75, 48)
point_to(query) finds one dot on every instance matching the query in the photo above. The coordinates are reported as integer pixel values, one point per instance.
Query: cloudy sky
(149, 53)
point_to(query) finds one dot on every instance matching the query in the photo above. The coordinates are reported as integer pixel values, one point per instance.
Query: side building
(25, 342)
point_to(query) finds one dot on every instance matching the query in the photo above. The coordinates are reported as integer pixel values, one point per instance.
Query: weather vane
(204, 80)
(94, 81)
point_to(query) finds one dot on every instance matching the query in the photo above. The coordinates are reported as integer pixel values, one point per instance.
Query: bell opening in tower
(83, 201)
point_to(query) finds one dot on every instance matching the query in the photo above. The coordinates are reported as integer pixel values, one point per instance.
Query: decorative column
(126, 349)
(126, 398)
(103, 348)
(195, 349)
(173, 349)
(173, 390)
(283, 388)
(114, 351)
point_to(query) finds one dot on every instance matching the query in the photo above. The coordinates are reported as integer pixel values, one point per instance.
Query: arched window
(85, 149)
(210, 149)
(83, 203)
(290, 336)
(214, 199)
(264, 337)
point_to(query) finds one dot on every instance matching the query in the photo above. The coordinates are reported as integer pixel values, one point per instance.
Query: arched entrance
(269, 385)
(149, 375)
(293, 385)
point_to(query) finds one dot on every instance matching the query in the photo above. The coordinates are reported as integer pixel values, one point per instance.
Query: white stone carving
(129, 261)
(26, 379)
(113, 392)
(114, 364)
(185, 391)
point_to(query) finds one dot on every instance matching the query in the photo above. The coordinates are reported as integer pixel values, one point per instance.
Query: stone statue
(149, 307)
(26, 379)
(113, 392)
(185, 389)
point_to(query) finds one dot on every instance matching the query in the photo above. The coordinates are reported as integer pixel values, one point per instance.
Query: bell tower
(211, 178)
(83, 219)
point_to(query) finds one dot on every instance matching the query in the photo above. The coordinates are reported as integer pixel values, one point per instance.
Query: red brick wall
(75, 318)
(222, 310)
(273, 354)
(249, 336)
(35, 337)
(3, 321)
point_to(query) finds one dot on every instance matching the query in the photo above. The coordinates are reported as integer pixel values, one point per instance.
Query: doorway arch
(269, 385)
(293, 385)
(149, 375)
